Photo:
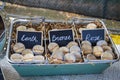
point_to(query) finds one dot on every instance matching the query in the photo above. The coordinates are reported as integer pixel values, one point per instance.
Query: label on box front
(93, 35)
(62, 37)
(29, 38)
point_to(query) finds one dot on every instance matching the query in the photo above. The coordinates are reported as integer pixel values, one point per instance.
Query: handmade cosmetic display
(51, 47)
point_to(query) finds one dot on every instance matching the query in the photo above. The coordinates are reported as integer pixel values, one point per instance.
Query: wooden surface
(112, 73)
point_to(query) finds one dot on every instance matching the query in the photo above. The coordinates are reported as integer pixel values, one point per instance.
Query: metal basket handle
(16, 17)
(82, 20)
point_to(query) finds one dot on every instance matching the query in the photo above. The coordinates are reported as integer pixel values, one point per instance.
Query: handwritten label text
(93, 35)
(62, 37)
(31, 39)
(93, 38)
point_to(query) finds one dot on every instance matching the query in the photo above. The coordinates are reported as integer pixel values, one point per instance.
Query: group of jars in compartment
(101, 51)
(18, 51)
(71, 53)
(21, 54)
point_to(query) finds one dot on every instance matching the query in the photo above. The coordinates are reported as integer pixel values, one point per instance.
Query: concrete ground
(112, 73)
